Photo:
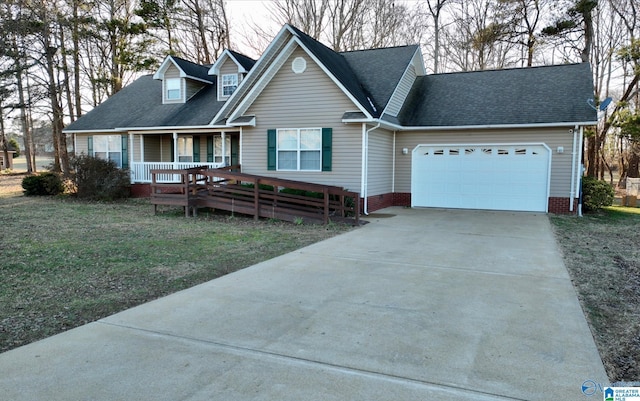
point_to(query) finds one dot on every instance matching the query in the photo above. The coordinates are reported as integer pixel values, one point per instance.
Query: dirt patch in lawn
(602, 254)
(66, 263)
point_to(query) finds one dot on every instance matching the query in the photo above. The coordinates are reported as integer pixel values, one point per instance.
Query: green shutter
(125, 151)
(209, 149)
(196, 148)
(327, 134)
(271, 149)
(90, 146)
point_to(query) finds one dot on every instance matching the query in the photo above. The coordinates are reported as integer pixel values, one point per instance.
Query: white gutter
(365, 165)
(573, 168)
(396, 127)
(161, 128)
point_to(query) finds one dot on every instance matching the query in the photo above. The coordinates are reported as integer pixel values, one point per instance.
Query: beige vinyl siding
(172, 72)
(137, 148)
(82, 144)
(560, 185)
(307, 100)
(228, 67)
(401, 92)
(380, 163)
(192, 87)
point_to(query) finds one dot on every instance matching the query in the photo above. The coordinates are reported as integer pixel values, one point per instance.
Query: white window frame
(171, 89)
(228, 81)
(113, 146)
(217, 149)
(185, 149)
(298, 149)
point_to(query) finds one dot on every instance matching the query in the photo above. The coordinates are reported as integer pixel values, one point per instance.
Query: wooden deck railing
(254, 195)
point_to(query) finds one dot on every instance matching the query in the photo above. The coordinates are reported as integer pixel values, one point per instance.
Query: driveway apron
(419, 304)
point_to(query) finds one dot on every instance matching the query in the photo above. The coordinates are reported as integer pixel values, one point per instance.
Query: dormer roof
(243, 62)
(187, 69)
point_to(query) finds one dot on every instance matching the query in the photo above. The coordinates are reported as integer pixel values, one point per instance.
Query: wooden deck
(258, 196)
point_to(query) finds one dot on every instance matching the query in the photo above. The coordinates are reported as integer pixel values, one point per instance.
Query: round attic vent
(299, 65)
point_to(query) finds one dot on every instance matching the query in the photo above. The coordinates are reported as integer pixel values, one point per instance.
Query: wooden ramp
(258, 196)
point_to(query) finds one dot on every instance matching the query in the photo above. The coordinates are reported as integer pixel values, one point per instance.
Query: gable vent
(298, 65)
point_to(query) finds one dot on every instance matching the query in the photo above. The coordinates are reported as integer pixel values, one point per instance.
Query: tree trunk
(3, 142)
(26, 130)
(75, 38)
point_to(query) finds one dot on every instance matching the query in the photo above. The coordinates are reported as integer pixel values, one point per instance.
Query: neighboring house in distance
(371, 121)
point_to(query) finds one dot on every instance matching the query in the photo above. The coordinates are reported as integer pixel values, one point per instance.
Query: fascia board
(262, 82)
(163, 67)
(91, 131)
(215, 68)
(276, 65)
(266, 55)
(418, 61)
(173, 128)
(490, 126)
(333, 78)
(395, 91)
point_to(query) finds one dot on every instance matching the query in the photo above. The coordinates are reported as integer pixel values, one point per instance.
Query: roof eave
(396, 127)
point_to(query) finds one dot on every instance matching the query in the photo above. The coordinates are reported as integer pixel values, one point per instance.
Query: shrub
(13, 145)
(42, 184)
(596, 194)
(98, 179)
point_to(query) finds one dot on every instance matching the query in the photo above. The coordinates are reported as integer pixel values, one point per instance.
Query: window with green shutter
(299, 149)
(125, 151)
(209, 149)
(196, 148)
(271, 149)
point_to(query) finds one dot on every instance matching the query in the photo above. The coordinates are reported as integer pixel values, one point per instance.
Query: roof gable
(243, 62)
(521, 96)
(379, 70)
(187, 69)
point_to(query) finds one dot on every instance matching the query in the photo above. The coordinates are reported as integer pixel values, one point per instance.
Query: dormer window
(172, 87)
(229, 84)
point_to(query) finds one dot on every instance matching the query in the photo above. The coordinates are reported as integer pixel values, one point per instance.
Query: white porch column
(131, 157)
(175, 150)
(141, 148)
(224, 148)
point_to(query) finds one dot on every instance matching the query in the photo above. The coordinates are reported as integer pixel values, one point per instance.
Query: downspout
(365, 164)
(573, 169)
(393, 166)
(580, 172)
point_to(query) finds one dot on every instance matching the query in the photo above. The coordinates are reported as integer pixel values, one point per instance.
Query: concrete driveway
(416, 305)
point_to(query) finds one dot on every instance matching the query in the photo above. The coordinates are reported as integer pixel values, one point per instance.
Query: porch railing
(141, 171)
(255, 195)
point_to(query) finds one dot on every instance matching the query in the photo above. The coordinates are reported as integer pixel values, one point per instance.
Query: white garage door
(486, 176)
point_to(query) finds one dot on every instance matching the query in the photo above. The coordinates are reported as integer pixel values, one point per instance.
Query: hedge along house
(371, 121)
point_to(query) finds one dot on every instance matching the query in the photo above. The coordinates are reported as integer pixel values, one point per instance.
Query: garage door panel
(481, 176)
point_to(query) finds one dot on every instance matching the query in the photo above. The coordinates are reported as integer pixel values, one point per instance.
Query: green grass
(602, 254)
(66, 263)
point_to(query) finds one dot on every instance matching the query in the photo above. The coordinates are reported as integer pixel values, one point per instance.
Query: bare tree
(436, 9)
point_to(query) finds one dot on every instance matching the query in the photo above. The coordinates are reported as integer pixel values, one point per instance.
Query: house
(371, 121)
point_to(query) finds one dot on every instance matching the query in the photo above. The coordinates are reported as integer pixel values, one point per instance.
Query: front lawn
(602, 253)
(65, 263)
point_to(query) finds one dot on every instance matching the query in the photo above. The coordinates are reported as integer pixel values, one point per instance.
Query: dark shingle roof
(140, 105)
(372, 65)
(194, 70)
(535, 95)
(339, 67)
(246, 62)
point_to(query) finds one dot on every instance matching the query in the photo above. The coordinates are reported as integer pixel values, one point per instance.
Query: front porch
(180, 151)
